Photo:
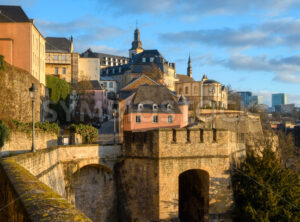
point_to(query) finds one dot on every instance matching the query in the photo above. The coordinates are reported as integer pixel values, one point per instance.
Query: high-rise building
(256, 100)
(278, 99)
(245, 98)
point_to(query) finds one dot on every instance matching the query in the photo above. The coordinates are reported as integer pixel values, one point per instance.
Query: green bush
(27, 127)
(89, 133)
(264, 190)
(4, 133)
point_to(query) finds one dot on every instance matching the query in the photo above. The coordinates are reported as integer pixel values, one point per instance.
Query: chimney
(71, 46)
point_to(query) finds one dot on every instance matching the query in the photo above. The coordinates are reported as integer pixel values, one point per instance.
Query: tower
(136, 47)
(189, 68)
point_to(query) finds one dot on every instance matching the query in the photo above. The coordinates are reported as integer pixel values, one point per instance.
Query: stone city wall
(153, 161)
(20, 142)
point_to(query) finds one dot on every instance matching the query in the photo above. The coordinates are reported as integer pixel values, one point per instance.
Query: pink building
(93, 102)
(154, 106)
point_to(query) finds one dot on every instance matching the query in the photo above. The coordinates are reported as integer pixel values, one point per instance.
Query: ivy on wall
(59, 89)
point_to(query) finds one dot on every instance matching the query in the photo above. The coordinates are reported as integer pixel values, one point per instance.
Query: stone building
(61, 60)
(203, 94)
(21, 43)
(88, 69)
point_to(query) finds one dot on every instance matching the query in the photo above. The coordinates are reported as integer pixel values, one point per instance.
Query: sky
(249, 45)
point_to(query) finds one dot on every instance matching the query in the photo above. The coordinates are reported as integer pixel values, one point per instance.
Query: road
(106, 132)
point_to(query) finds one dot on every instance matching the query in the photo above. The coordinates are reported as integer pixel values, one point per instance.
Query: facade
(256, 100)
(92, 101)
(109, 84)
(88, 69)
(61, 60)
(278, 99)
(246, 98)
(154, 107)
(21, 43)
(202, 94)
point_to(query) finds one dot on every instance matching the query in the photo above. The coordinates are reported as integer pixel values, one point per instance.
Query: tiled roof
(184, 78)
(54, 44)
(12, 14)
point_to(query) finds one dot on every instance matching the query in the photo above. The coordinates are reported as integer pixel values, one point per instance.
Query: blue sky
(251, 45)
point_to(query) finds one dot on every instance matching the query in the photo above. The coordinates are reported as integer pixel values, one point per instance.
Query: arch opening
(194, 196)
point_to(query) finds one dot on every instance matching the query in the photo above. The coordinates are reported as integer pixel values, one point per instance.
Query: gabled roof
(54, 44)
(12, 14)
(88, 85)
(184, 78)
(139, 81)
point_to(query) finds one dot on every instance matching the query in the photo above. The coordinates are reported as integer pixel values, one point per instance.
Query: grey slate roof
(54, 44)
(149, 95)
(12, 14)
(89, 85)
(184, 78)
(210, 81)
(91, 54)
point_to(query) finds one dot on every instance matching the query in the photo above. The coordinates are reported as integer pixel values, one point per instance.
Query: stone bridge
(153, 176)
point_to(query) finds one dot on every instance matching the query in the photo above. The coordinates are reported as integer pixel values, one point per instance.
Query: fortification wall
(154, 160)
(16, 104)
(20, 142)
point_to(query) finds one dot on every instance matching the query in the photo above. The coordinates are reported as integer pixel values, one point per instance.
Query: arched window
(186, 90)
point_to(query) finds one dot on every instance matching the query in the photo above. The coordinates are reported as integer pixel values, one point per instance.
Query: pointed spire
(189, 68)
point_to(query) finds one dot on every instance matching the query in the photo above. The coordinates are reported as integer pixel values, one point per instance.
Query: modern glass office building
(278, 99)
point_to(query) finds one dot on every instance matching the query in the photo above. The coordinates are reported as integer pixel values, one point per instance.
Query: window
(143, 59)
(55, 57)
(140, 107)
(155, 107)
(105, 84)
(195, 90)
(169, 107)
(201, 135)
(151, 59)
(180, 91)
(63, 57)
(56, 70)
(186, 90)
(111, 85)
(170, 119)
(64, 70)
(138, 119)
(155, 119)
(214, 135)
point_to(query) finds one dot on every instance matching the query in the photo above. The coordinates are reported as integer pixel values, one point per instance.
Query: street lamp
(114, 115)
(32, 92)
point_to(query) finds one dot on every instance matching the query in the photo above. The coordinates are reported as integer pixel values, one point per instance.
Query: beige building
(21, 43)
(61, 60)
(202, 94)
(88, 69)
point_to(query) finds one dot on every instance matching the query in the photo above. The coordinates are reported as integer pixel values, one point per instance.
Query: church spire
(189, 68)
(136, 47)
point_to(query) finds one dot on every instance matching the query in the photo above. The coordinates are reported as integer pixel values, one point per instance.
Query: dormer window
(143, 59)
(169, 107)
(140, 107)
(155, 107)
(151, 59)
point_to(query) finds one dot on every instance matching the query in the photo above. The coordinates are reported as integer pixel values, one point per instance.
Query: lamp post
(114, 115)
(32, 92)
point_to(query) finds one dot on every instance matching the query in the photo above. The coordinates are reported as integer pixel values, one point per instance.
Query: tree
(264, 190)
(234, 99)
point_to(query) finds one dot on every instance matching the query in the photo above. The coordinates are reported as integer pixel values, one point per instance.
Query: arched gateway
(193, 196)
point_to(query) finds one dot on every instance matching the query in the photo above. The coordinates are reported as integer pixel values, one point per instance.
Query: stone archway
(193, 196)
(94, 192)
